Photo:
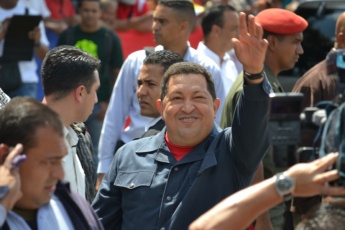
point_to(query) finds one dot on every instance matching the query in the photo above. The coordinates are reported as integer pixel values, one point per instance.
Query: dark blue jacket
(146, 188)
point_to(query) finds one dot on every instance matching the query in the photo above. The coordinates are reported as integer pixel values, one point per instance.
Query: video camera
(289, 124)
(286, 126)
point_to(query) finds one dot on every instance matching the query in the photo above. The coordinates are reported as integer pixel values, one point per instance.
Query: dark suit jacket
(153, 130)
(78, 209)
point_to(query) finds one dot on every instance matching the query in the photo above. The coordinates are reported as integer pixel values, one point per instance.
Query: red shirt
(125, 11)
(178, 151)
(60, 9)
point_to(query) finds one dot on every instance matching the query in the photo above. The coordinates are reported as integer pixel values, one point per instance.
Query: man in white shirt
(173, 22)
(70, 81)
(220, 24)
(46, 202)
(39, 6)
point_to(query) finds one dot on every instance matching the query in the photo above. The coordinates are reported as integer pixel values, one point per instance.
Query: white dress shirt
(74, 172)
(234, 58)
(124, 102)
(227, 67)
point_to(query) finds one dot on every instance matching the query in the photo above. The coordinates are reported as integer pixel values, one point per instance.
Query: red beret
(280, 21)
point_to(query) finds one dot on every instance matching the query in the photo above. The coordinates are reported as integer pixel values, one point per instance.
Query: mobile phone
(17, 161)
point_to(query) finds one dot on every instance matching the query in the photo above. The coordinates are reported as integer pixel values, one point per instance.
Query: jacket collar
(203, 151)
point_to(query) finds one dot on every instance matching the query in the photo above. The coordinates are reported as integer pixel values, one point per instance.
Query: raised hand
(250, 47)
(9, 176)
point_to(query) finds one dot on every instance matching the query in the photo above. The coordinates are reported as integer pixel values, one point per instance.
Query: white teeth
(189, 119)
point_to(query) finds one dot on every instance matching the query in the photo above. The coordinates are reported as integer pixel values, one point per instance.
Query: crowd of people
(171, 136)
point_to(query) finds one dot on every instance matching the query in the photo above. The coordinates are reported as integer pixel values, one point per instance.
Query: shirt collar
(152, 122)
(209, 53)
(158, 140)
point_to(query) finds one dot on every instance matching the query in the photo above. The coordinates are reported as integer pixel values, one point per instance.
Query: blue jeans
(27, 89)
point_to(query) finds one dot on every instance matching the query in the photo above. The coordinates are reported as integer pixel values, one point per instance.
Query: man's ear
(272, 42)
(184, 27)
(216, 104)
(215, 30)
(159, 106)
(340, 40)
(79, 93)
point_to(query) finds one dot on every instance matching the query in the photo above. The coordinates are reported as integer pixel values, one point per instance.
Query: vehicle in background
(319, 36)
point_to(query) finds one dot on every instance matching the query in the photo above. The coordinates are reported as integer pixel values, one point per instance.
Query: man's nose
(141, 91)
(188, 106)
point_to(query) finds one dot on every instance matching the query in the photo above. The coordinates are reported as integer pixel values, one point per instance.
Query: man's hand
(40, 49)
(250, 48)
(9, 176)
(35, 35)
(312, 178)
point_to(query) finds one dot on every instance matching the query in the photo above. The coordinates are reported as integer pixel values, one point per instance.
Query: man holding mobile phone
(45, 202)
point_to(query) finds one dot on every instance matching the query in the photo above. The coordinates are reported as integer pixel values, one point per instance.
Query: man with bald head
(315, 84)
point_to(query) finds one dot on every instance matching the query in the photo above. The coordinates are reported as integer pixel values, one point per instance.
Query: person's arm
(39, 48)
(262, 222)
(117, 112)
(239, 210)
(142, 23)
(249, 140)
(38, 34)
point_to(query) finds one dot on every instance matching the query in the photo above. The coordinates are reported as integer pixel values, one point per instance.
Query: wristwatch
(284, 185)
(4, 190)
(255, 76)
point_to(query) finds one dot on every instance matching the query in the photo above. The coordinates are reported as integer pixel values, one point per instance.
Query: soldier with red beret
(283, 30)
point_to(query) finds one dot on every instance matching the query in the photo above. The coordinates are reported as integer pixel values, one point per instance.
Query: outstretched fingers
(326, 177)
(332, 190)
(325, 162)
(243, 25)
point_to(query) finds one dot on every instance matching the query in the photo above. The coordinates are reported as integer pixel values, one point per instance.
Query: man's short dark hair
(183, 8)
(214, 16)
(187, 68)
(165, 58)
(323, 217)
(65, 68)
(280, 37)
(22, 117)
